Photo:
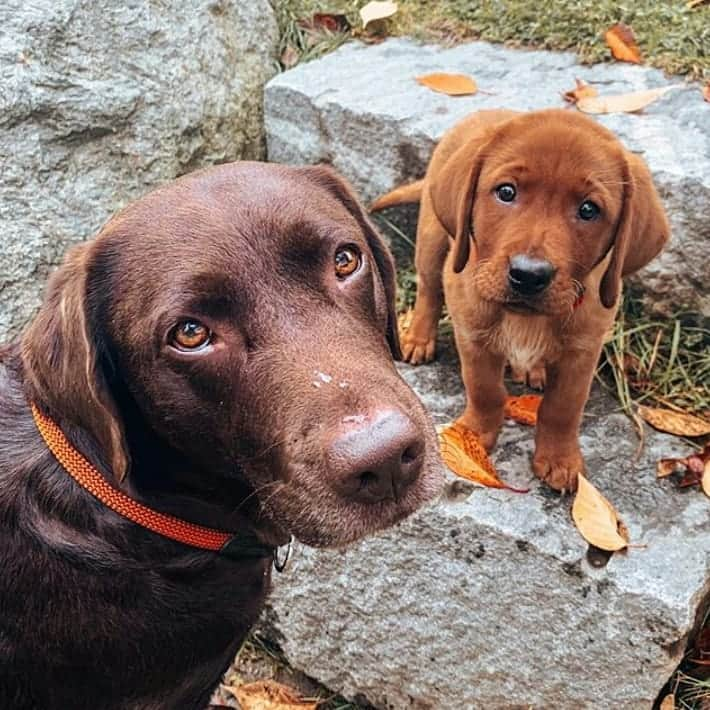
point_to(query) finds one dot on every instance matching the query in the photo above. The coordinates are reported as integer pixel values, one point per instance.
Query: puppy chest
(526, 341)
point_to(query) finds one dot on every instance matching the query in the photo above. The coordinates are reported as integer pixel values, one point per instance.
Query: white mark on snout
(323, 377)
(354, 419)
(343, 385)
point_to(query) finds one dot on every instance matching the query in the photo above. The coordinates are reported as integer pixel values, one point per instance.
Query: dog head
(241, 320)
(545, 197)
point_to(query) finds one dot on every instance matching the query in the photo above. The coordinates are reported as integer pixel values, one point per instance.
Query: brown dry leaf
(667, 466)
(623, 103)
(269, 695)
(668, 703)
(404, 320)
(596, 519)
(466, 456)
(581, 91)
(523, 409)
(678, 423)
(331, 22)
(620, 39)
(706, 92)
(377, 10)
(289, 57)
(691, 4)
(449, 84)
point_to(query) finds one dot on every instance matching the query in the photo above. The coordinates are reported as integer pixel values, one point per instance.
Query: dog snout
(528, 276)
(376, 458)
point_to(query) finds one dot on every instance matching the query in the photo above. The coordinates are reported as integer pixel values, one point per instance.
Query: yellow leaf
(596, 519)
(377, 10)
(269, 695)
(581, 91)
(620, 39)
(623, 103)
(706, 478)
(678, 423)
(466, 456)
(668, 703)
(523, 409)
(449, 84)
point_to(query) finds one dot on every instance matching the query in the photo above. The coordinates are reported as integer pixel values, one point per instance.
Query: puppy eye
(190, 335)
(588, 210)
(506, 192)
(347, 261)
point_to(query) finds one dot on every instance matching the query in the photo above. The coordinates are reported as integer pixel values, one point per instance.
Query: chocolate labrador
(209, 376)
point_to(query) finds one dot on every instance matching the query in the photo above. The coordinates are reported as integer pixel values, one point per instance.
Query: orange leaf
(269, 695)
(620, 39)
(678, 423)
(523, 409)
(466, 456)
(706, 478)
(581, 91)
(596, 519)
(450, 84)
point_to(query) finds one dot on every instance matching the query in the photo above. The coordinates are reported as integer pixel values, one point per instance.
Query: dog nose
(376, 460)
(528, 276)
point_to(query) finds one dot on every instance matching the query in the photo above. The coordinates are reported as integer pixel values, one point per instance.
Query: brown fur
(99, 613)
(466, 237)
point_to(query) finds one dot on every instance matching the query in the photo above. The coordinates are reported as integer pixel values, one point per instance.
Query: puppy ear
(61, 360)
(329, 179)
(452, 194)
(641, 232)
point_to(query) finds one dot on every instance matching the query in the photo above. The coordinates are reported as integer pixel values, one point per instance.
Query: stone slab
(487, 599)
(100, 101)
(360, 109)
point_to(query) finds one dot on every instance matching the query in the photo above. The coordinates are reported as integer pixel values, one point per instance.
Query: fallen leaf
(665, 467)
(706, 92)
(691, 4)
(623, 103)
(331, 22)
(706, 475)
(668, 703)
(678, 423)
(449, 84)
(523, 409)
(581, 91)
(377, 10)
(269, 695)
(596, 519)
(620, 39)
(466, 456)
(290, 56)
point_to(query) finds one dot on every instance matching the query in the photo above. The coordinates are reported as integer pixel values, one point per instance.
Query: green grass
(671, 36)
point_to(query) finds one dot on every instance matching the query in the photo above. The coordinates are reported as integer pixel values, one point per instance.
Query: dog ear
(335, 184)
(62, 362)
(452, 195)
(641, 232)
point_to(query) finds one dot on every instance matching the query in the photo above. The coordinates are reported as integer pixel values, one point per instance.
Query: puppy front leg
(558, 459)
(482, 373)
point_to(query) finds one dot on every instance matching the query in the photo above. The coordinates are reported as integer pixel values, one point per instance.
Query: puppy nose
(377, 459)
(528, 276)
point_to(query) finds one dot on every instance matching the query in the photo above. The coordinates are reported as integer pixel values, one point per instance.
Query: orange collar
(88, 477)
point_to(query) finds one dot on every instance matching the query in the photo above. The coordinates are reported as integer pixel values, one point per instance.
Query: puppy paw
(417, 350)
(559, 470)
(487, 437)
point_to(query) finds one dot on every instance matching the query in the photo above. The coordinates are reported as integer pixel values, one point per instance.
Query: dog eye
(588, 210)
(190, 335)
(506, 192)
(347, 261)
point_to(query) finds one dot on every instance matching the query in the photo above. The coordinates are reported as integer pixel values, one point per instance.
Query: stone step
(488, 599)
(360, 109)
